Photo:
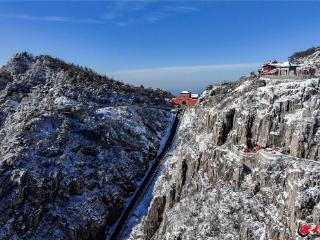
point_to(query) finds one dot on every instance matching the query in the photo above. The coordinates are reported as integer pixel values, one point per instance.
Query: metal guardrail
(251, 159)
(264, 157)
(300, 77)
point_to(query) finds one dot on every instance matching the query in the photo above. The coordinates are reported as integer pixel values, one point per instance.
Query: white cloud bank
(176, 78)
(187, 69)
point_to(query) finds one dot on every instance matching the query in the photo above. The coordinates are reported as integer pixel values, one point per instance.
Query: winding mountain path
(120, 225)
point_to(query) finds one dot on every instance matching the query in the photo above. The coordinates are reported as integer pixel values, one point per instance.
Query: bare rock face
(73, 145)
(269, 113)
(309, 58)
(211, 193)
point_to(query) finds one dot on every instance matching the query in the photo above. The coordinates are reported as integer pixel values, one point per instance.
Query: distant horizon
(121, 75)
(171, 45)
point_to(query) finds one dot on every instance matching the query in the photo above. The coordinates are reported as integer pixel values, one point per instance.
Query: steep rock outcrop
(212, 194)
(73, 146)
(308, 60)
(282, 113)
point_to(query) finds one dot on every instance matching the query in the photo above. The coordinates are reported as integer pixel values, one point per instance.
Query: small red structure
(278, 69)
(185, 98)
(257, 148)
(270, 68)
(245, 149)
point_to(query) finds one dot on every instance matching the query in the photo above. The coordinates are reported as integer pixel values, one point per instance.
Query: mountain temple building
(275, 68)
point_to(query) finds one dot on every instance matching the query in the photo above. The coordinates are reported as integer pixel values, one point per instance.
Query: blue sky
(173, 45)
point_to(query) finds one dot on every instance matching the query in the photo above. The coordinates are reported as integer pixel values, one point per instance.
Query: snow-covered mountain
(213, 190)
(73, 146)
(309, 58)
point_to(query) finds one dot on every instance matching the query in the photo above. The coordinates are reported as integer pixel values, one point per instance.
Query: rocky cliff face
(73, 147)
(210, 192)
(309, 58)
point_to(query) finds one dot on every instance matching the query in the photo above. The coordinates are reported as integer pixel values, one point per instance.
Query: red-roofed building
(275, 68)
(185, 98)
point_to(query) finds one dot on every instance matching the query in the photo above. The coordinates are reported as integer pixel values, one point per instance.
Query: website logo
(309, 229)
